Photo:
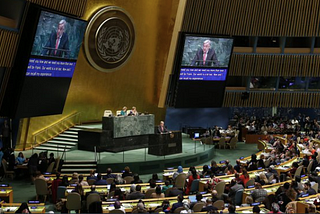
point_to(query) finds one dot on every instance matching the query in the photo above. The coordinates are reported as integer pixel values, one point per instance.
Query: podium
(165, 144)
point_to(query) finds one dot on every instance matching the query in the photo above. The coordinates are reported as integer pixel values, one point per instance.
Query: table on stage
(118, 134)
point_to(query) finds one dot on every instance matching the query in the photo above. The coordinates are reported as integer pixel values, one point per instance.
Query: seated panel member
(134, 111)
(162, 129)
(123, 111)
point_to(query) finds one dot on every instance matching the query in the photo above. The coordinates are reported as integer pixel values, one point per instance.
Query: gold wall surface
(137, 82)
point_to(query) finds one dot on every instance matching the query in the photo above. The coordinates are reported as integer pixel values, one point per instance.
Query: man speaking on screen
(205, 56)
(58, 42)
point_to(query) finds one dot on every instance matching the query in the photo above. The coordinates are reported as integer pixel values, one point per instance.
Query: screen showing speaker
(200, 71)
(44, 65)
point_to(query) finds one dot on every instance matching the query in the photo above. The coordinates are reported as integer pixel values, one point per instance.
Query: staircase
(63, 142)
(79, 166)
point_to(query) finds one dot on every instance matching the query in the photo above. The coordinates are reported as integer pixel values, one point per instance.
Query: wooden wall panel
(74, 7)
(275, 65)
(8, 43)
(271, 99)
(252, 17)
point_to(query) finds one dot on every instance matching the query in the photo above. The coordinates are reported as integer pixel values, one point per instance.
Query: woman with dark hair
(231, 170)
(23, 208)
(79, 189)
(158, 193)
(205, 171)
(191, 178)
(136, 179)
(126, 172)
(154, 178)
(118, 194)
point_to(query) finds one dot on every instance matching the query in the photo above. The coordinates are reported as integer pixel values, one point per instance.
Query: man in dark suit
(58, 42)
(205, 56)
(92, 190)
(136, 194)
(162, 129)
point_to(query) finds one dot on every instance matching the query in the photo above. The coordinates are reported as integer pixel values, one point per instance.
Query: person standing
(206, 56)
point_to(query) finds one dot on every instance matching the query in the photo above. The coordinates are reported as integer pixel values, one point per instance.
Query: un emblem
(112, 33)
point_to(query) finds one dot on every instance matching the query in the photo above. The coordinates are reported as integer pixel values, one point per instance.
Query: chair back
(198, 207)
(160, 209)
(168, 191)
(91, 181)
(267, 163)
(95, 207)
(179, 209)
(220, 188)
(309, 167)
(298, 171)
(238, 197)
(128, 179)
(73, 201)
(180, 180)
(194, 186)
(93, 197)
(118, 112)
(250, 183)
(50, 167)
(222, 142)
(260, 145)
(116, 211)
(5, 165)
(149, 192)
(41, 186)
(57, 164)
(61, 192)
(233, 143)
(315, 186)
(110, 180)
(107, 113)
(219, 204)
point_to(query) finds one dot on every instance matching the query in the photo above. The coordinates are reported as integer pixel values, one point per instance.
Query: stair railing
(55, 129)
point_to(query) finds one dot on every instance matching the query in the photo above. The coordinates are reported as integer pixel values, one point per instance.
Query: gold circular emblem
(109, 39)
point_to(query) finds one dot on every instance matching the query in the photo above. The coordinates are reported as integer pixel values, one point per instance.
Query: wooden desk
(34, 208)
(286, 166)
(6, 193)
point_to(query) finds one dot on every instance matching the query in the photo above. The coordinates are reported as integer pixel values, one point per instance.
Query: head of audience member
(213, 163)
(153, 184)
(99, 176)
(124, 108)
(136, 178)
(126, 169)
(297, 178)
(180, 198)
(140, 206)
(257, 186)
(155, 177)
(65, 181)
(92, 172)
(158, 190)
(132, 188)
(256, 209)
(231, 209)
(109, 171)
(194, 173)
(20, 155)
(275, 207)
(138, 188)
(165, 204)
(93, 188)
(80, 178)
(205, 168)
(180, 169)
(78, 188)
(75, 175)
(198, 196)
(167, 182)
(245, 173)
(233, 182)
(214, 193)
(58, 175)
(307, 185)
(117, 205)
